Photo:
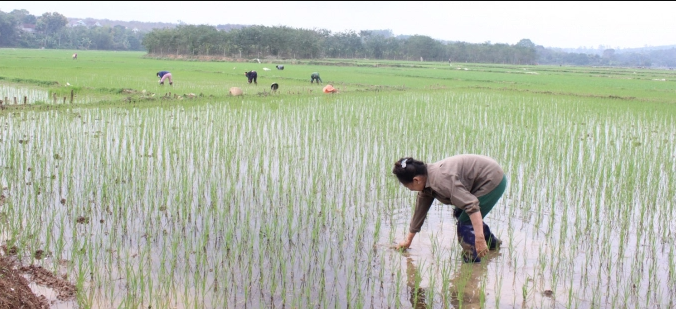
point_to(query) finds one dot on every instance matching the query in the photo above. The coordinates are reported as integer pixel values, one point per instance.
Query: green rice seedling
(275, 192)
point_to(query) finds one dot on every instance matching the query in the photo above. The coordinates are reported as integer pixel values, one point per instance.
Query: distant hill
(599, 51)
(142, 26)
(645, 49)
(228, 27)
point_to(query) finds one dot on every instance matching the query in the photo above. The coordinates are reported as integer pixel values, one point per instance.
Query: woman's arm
(479, 239)
(407, 242)
(422, 206)
(462, 198)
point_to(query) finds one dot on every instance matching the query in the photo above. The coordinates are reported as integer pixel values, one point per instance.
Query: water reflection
(15, 95)
(413, 278)
(467, 290)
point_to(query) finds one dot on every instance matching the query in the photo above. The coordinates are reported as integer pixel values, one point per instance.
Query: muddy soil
(15, 281)
(64, 289)
(14, 290)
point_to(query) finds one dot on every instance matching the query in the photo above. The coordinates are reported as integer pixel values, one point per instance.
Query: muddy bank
(14, 289)
(16, 281)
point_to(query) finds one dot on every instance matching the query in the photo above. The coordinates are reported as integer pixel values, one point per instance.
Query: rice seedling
(289, 201)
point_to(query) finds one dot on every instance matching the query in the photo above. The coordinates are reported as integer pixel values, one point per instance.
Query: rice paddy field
(198, 199)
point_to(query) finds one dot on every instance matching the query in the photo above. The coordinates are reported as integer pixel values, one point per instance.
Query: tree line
(19, 28)
(238, 41)
(662, 58)
(286, 42)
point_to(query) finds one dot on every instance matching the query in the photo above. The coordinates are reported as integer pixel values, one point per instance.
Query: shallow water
(439, 235)
(227, 205)
(32, 95)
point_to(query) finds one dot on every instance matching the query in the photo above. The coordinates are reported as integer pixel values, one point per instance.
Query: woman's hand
(480, 246)
(402, 246)
(406, 243)
(479, 241)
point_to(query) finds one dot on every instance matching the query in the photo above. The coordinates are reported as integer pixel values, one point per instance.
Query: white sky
(552, 24)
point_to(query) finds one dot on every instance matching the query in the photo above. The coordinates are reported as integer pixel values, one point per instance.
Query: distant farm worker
(252, 76)
(329, 89)
(75, 56)
(472, 183)
(235, 91)
(315, 77)
(165, 75)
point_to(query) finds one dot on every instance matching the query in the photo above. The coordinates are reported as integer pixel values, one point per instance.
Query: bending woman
(165, 75)
(472, 183)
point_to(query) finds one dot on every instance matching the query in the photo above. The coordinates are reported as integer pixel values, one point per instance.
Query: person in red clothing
(329, 89)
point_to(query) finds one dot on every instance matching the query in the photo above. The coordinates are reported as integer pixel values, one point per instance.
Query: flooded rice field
(13, 95)
(21, 94)
(292, 204)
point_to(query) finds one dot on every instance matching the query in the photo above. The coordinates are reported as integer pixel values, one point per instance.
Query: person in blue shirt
(165, 75)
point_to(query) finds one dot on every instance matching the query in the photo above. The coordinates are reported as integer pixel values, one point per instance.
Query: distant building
(28, 28)
(135, 30)
(79, 23)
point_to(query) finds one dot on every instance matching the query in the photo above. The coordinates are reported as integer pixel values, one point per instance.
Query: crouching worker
(472, 183)
(165, 75)
(315, 77)
(329, 89)
(252, 76)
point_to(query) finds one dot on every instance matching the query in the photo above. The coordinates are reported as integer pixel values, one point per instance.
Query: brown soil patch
(11, 250)
(14, 289)
(64, 289)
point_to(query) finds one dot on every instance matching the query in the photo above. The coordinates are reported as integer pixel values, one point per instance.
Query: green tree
(101, 37)
(50, 23)
(8, 29)
(608, 53)
(85, 43)
(306, 44)
(374, 44)
(347, 44)
(527, 43)
(423, 46)
(24, 17)
(134, 42)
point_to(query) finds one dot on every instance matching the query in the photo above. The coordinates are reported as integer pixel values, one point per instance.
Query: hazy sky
(552, 24)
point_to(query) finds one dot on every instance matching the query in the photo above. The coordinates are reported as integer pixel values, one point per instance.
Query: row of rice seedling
(17, 94)
(290, 201)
